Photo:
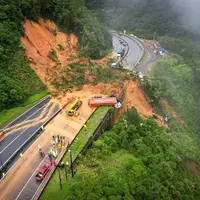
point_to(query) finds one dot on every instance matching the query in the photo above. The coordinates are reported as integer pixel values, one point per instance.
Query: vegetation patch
(53, 190)
(75, 75)
(8, 115)
(72, 76)
(103, 74)
(135, 160)
(60, 47)
(52, 55)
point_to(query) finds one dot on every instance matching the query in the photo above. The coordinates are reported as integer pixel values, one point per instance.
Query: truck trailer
(107, 101)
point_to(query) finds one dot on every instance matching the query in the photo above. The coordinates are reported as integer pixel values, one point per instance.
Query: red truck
(107, 101)
(43, 171)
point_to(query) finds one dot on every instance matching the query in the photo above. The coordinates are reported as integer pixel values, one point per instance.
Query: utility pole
(60, 180)
(154, 37)
(71, 163)
(66, 166)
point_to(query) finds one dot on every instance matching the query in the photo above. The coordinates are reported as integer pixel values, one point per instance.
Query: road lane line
(23, 122)
(26, 141)
(18, 135)
(31, 177)
(33, 106)
(13, 180)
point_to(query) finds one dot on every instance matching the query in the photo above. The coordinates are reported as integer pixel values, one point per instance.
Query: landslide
(55, 56)
(47, 49)
(43, 38)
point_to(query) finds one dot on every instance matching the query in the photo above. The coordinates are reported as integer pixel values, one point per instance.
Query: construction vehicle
(73, 110)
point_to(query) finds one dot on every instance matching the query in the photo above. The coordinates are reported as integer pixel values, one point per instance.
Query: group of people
(58, 140)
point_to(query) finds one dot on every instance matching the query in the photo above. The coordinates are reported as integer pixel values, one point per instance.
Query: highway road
(20, 132)
(20, 182)
(28, 113)
(134, 54)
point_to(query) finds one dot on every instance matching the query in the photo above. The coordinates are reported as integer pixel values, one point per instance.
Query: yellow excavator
(73, 109)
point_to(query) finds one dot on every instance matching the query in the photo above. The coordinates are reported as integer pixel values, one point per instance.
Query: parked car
(140, 75)
(43, 171)
(113, 64)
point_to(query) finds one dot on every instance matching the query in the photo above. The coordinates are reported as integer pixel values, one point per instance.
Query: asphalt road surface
(27, 114)
(134, 50)
(134, 54)
(23, 129)
(117, 46)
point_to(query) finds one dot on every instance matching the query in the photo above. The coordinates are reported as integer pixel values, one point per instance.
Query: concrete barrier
(25, 142)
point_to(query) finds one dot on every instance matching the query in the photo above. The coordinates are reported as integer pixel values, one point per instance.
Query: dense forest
(175, 78)
(135, 160)
(17, 80)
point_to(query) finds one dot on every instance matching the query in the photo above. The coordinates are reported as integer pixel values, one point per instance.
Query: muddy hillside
(47, 48)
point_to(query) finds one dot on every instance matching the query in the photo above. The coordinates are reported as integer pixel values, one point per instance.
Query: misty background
(188, 13)
(180, 17)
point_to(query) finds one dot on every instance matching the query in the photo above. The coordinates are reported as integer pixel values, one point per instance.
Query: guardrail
(39, 129)
(36, 104)
(126, 51)
(105, 124)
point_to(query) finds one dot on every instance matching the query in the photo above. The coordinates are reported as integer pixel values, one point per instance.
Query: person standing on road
(50, 156)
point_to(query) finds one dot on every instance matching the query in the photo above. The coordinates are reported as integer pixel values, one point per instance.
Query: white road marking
(19, 133)
(10, 132)
(31, 177)
(23, 144)
(40, 101)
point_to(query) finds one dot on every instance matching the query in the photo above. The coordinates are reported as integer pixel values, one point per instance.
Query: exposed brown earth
(43, 37)
(39, 40)
(193, 167)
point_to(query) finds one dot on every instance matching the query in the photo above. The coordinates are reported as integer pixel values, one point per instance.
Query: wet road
(134, 53)
(21, 131)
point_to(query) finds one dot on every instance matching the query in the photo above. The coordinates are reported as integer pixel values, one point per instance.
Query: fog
(188, 12)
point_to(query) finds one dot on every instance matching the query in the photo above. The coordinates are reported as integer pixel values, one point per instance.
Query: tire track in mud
(46, 111)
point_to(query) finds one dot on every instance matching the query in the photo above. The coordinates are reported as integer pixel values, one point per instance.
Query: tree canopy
(18, 80)
(135, 160)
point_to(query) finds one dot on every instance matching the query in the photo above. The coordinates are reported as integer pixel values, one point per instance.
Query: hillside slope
(48, 49)
(17, 80)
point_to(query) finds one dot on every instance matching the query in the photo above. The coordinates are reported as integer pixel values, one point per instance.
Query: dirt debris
(168, 110)
(42, 38)
(49, 50)
(192, 167)
(135, 98)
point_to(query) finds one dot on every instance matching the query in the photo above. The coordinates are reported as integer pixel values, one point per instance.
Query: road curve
(134, 54)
